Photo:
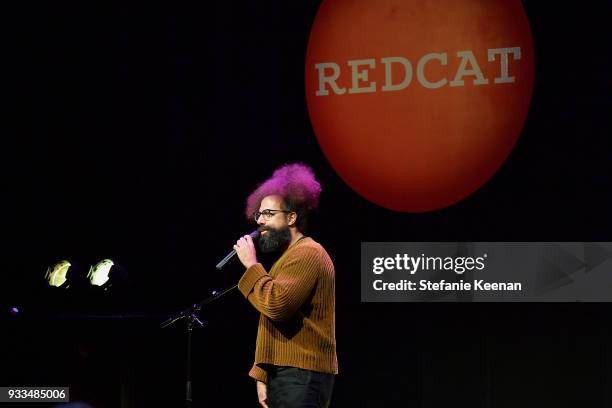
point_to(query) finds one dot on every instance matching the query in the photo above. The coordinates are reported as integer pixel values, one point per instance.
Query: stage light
(56, 274)
(98, 273)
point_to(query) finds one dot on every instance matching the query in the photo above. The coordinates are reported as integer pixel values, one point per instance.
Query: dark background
(136, 130)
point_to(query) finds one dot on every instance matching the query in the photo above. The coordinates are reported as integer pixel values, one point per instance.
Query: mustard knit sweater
(296, 300)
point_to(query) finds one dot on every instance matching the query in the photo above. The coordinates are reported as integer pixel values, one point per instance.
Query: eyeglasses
(267, 214)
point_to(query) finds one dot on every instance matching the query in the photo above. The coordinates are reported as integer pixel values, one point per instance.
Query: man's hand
(245, 249)
(262, 394)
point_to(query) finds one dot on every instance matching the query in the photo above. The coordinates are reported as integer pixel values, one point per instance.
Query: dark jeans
(290, 387)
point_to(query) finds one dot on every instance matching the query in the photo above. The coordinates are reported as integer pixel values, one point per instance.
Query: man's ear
(292, 219)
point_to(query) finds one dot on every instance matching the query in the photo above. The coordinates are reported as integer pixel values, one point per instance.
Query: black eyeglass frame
(268, 213)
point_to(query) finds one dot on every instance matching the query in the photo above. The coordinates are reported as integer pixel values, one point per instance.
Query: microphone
(228, 257)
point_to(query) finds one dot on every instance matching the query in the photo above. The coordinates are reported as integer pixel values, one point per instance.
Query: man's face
(273, 225)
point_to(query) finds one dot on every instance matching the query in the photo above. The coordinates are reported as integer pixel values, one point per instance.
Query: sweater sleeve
(280, 297)
(258, 373)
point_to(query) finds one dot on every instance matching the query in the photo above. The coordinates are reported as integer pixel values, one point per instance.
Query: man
(295, 356)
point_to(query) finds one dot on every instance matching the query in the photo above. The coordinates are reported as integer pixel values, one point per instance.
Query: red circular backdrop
(409, 99)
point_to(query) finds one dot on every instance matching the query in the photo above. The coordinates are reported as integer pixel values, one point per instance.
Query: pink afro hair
(297, 185)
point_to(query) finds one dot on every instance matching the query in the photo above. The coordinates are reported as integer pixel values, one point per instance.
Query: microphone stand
(191, 316)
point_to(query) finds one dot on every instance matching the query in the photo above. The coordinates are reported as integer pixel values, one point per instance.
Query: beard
(274, 239)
